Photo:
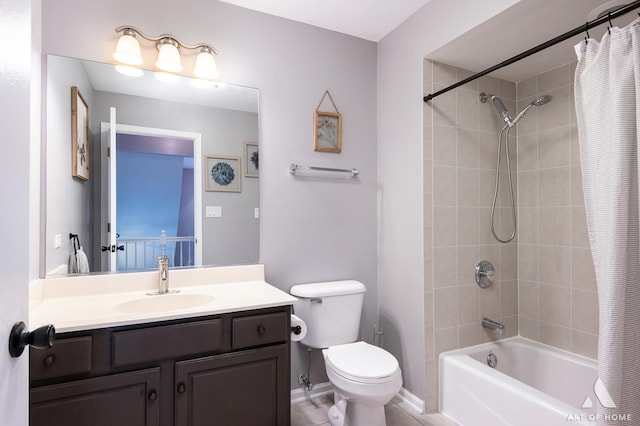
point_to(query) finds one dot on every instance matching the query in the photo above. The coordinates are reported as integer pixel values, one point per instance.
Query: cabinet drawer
(65, 358)
(259, 330)
(164, 342)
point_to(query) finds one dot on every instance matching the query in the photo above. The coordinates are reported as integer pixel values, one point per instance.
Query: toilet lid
(362, 362)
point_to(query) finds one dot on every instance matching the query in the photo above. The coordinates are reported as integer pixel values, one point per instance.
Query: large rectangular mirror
(173, 169)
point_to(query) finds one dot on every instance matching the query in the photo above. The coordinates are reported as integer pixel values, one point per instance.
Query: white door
(15, 81)
(109, 132)
(108, 192)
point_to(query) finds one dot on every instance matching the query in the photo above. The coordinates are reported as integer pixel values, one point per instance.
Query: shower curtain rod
(581, 29)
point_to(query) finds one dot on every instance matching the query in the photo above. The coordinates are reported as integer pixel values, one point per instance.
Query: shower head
(541, 100)
(504, 113)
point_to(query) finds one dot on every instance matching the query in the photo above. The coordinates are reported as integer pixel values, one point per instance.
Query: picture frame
(79, 135)
(223, 173)
(328, 131)
(251, 160)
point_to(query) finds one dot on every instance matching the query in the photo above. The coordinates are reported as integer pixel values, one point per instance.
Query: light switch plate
(256, 212)
(214, 211)
(57, 241)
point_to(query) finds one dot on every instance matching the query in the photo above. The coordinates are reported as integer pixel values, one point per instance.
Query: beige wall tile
(428, 311)
(509, 298)
(557, 112)
(427, 142)
(446, 339)
(555, 305)
(489, 85)
(445, 307)
(583, 275)
(490, 301)
(585, 311)
(554, 78)
(528, 299)
(445, 265)
(468, 258)
(507, 89)
(554, 225)
(554, 335)
(508, 268)
(468, 222)
(579, 231)
(554, 265)
(445, 186)
(444, 146)
(584, 344)
(577, 194)
(528, 262)
(529, 328)
(554, 147)
(470, 334)
(445, 227)
(554, 187)
(528, 88)
(527, 225)
(468, 148)
(468, 102)
(528, 189)
(444, 107)
(468, 187)
(468, 304)
(528, 152)
(462, 74)
(444, 74)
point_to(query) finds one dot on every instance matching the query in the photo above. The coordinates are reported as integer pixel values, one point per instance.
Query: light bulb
(128, 50)
(205, 67)
(168, 56)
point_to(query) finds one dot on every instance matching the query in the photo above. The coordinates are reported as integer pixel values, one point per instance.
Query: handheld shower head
(542, 100)
(504, 113)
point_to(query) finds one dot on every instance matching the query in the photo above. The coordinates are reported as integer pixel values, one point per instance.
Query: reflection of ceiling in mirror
(105, 78)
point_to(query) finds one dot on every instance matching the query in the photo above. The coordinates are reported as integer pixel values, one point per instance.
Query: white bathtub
(532, 384)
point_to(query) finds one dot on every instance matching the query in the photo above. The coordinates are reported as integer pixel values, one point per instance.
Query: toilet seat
(362, 362)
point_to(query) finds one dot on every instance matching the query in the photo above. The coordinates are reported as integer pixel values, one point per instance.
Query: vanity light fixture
(128, 52)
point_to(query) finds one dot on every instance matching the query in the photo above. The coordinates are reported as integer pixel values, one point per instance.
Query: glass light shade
(206, 66)
(128, 50)
(169, 58)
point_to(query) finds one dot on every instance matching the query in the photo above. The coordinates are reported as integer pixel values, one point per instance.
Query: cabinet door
(128, 399)
(248, 388)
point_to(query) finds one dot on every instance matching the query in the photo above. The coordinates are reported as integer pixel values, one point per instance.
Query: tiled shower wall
(460, 142)
(545, 287)
(558, 299)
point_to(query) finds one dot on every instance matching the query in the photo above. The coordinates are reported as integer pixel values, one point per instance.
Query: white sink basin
(164, 303)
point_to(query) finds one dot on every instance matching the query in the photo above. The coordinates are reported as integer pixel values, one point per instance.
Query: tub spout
(490, 324)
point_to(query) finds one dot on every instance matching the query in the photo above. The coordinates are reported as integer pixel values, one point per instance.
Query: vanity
(217, 352)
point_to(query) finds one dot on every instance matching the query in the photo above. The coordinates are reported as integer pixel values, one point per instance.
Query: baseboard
(409, 398)
(300, 394)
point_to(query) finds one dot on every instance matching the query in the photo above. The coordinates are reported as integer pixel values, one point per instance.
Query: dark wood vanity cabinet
(229, 369)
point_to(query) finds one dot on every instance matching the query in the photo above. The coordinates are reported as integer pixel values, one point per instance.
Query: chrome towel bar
(293, 167)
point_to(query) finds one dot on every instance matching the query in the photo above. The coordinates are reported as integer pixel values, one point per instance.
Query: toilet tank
(331, 311)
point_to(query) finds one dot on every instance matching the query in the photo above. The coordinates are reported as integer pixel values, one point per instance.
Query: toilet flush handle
(315, 300)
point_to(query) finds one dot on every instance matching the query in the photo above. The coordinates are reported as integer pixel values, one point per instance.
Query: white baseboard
(409, 398)
(300, 394)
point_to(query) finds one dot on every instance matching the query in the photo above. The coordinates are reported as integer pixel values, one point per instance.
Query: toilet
(364, 377)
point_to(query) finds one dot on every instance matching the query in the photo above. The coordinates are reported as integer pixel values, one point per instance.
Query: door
(127, 399)
(17, 184)
(248, 388)
(109, 137)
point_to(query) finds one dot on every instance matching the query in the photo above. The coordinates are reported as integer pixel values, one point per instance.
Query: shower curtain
(607, 94)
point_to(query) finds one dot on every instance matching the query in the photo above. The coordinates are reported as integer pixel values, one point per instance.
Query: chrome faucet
(490, 324)
(163, 274)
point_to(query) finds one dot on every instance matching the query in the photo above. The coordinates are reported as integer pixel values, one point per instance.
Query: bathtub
(531, 384)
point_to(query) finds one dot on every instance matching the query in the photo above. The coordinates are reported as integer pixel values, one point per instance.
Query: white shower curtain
(607, 92)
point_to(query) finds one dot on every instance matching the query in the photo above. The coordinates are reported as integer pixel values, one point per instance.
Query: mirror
(203, 134)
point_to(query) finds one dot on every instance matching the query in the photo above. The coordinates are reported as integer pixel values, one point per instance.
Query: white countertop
(99, 301)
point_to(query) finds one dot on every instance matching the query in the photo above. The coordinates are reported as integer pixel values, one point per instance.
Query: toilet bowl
(364, 379)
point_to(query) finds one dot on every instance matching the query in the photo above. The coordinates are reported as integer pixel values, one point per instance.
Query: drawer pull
(181, 388)
(48, 361)
(153, 395)
(261, 330)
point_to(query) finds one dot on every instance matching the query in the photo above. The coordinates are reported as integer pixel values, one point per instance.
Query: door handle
(20, 337)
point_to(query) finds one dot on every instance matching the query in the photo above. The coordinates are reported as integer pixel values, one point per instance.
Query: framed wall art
(251, 162)
(327, 128)
(222, 173)
(79, 135)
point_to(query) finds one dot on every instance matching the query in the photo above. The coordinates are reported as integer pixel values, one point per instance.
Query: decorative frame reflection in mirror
(225, 115)
(79, 135)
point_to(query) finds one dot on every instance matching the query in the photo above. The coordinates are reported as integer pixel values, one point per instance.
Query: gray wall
(310, 229)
